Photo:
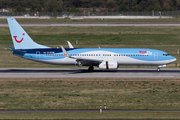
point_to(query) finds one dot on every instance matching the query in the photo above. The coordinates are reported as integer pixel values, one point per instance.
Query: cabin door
(156, 56)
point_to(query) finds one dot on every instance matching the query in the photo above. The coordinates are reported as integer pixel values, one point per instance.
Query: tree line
(90, 5)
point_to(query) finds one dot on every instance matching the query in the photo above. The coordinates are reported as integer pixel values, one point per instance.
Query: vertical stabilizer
(20, 38)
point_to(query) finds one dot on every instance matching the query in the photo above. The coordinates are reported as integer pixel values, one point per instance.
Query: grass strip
(55, 94)
(83, 115)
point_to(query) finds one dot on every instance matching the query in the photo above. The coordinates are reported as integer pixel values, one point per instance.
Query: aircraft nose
(173, 58)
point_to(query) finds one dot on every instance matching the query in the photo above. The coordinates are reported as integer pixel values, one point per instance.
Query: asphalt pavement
(84, 73)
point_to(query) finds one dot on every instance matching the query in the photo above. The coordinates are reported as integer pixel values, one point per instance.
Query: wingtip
(70, 45)
(65, 52)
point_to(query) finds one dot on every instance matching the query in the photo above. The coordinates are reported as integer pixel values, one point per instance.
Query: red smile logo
(18, 41)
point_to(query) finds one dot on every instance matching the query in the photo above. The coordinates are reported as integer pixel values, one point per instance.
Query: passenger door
(155, 55)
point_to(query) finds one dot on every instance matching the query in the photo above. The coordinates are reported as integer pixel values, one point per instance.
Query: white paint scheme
(70, 45)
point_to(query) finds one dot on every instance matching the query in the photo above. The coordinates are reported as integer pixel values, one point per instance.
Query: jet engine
(108, 65)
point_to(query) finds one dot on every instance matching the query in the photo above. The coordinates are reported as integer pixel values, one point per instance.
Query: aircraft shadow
(76, 71)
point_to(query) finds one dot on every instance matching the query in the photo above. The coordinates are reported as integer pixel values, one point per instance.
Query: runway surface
(83, 73)
(96, 24)
(61, 111)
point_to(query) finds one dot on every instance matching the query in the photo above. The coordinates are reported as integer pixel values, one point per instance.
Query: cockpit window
(165, 54)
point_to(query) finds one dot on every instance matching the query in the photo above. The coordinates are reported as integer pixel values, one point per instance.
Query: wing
(82, 61)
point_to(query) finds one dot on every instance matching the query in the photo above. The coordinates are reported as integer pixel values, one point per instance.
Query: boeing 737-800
(104, 58)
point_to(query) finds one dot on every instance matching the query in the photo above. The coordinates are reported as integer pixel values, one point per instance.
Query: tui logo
(18, 41)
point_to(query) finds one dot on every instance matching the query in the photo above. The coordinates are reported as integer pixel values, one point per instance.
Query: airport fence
(90, 13)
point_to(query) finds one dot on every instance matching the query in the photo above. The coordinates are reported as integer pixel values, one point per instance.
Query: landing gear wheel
(91, 68)
(158, 69)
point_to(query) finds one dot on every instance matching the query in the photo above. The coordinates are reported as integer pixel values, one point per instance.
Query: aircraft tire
(91, 68)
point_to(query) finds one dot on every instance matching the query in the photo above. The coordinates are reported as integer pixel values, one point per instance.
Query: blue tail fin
(20, 38)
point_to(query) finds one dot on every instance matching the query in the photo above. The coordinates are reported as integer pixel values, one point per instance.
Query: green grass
(54, 20)
(91, 93)
(95, 30)
(109, 115)
(162, 38)
(134, 94)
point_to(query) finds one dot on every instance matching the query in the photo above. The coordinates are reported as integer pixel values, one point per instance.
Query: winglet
(65, 52)
(70, 45)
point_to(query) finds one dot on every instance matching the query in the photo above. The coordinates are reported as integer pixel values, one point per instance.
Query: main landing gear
(91, 68)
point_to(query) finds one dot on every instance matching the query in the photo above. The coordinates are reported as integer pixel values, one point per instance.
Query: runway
(62, 111)
(83, 73)
(96, 24)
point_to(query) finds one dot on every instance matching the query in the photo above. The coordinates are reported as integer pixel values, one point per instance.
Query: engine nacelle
(108, 65)
(162, 66)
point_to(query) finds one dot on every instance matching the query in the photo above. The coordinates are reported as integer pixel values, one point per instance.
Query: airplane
(104, 58)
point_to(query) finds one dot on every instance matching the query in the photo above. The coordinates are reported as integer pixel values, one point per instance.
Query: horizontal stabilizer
(12, 49)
